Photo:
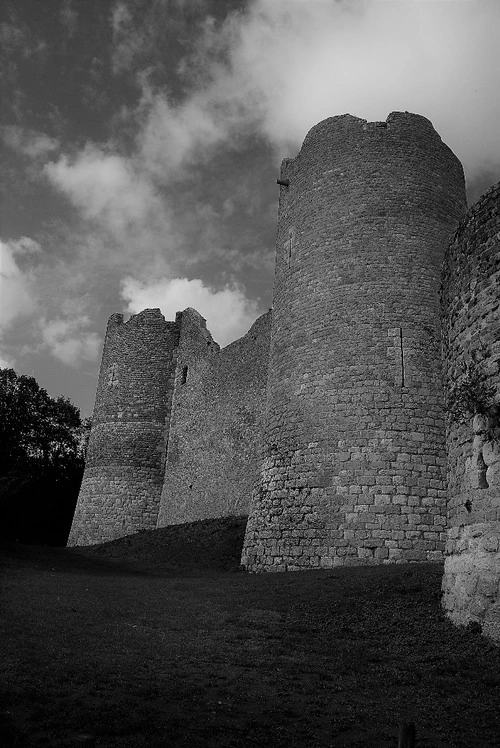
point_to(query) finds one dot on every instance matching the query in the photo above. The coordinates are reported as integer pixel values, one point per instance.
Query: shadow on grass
(151, 641)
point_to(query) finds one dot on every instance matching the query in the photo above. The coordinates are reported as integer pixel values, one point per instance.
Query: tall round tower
(122, 483)
(353, 469)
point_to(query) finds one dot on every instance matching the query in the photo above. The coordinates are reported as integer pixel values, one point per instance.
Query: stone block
(488, 585)
(478, 607)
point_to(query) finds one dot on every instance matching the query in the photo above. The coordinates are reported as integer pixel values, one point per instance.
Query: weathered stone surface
(216, 424)
(471, 330)
(123, 478)
(176, 426)
(354, 434)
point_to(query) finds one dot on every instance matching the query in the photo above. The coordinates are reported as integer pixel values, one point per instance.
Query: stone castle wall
(353, 466)
(471, 327)
(176, 426)
(213, 449)
(334, 408)
(123, 478)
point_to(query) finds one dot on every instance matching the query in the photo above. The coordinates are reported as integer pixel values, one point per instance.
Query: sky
(141, 141)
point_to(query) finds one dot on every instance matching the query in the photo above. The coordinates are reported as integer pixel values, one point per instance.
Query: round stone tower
(353, 469)
(471, 333)
(122, 483)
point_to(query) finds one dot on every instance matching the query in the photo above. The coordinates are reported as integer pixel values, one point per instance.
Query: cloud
(271, 71)
(140, 29)
(278, 68)
(17, 290)
(69, 17)
(6, 362)
(106, 188)
(228, 312)
(26, 288)
(173, 137)
(69, 340)
(28, 142)
(17, 37)
(18, 299)
(24, 246)
(126, 45)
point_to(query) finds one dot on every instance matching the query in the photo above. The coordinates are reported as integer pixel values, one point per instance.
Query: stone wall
(353, 459)
(212, 458)
(471, 332)
(121, 488)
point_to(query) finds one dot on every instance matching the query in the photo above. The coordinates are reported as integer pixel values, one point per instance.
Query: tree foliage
(42, 456)
(472, 392)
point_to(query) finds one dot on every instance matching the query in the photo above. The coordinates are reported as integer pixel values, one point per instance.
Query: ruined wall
(121, 488)
(471, 332)
(353, 461)
(212, 458)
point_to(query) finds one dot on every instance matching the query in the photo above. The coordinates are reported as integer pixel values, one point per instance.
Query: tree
(42, 456)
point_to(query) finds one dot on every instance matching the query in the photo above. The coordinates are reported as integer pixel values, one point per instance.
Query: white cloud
(28, 142)
(24, 246)
(279, 68)
(107, 189)
(135, 28)
(228, 312)
(27, 288)
(17, 291)
(275, 69)
(6, 362)
(126, 44)
(69, 17)
(69, 339)
(173, 137)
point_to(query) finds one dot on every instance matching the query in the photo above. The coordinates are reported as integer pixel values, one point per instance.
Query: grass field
(158, 640)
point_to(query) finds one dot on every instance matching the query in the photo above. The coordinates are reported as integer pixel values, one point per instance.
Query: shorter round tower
(122, 483)
(471, 335)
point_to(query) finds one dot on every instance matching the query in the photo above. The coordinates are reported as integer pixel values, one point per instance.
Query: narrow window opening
(402, 357)
(481, 473)
(475, 466)
(291, 240)
(184, 375)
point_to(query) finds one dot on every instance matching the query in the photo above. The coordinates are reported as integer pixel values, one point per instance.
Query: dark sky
(141, 140)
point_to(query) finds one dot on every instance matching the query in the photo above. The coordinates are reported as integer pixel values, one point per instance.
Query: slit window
(290, 244)
(184, 375)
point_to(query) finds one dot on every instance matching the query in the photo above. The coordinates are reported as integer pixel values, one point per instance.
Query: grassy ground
(157, 640)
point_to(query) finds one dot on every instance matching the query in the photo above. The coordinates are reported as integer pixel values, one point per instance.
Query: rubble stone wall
(353, 462)
(471, 334)
(215, 433)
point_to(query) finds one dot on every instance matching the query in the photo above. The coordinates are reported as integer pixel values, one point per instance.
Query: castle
(326, 423)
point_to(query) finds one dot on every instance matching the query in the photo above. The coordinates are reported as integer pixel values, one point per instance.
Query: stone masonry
(327, 423)
(176, 427)
(122, 483)
(214, 437)
(353, 464)
(471, 325)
